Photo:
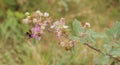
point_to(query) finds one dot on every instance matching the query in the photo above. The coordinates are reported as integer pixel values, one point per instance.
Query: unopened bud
(71, 43)
(87, 24)
(42, 27)
(46, 14)
(27, 13)
(34, 20)
(62, 44)
(62, 19)
(39, 13)
(28, 17)
(25, 20)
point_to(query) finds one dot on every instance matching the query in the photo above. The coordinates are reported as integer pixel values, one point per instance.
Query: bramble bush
(69, 36)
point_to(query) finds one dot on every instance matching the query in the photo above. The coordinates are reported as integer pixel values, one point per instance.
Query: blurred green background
(15, 50)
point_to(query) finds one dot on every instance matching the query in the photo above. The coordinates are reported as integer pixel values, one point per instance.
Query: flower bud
(35, 20)
(46, 14)
(25, 20)
(28, 17)
(27, 13)
(42, 27)
(87, 24)
(62, 44)
(39, 13)
(71, 43)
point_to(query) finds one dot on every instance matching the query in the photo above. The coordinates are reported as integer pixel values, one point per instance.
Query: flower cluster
(59, 28)
(39, 21)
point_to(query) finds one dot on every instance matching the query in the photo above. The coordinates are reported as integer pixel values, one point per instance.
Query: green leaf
(73, 37)
(91, 36)
(94, 34)
(91, 39)
(103, 60)
(83, 40)
(115, 52)
(114, 32)
(19, 15)
(107, 48)
(77, 28)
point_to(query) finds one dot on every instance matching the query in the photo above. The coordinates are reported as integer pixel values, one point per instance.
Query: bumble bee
(29, 34)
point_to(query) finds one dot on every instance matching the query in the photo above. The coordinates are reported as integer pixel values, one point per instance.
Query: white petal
(46, 14)
(39, 12)
(65, 26)
(25, 20)
(52, 26)
(35, 20)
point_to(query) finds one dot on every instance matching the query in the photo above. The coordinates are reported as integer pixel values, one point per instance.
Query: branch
(98, 50)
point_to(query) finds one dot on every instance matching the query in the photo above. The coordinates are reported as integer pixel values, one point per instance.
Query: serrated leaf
(77, 28)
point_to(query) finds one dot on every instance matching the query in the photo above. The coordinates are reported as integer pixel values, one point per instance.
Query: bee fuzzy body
(29, 34)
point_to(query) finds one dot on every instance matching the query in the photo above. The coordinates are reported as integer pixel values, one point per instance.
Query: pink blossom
(37, 28)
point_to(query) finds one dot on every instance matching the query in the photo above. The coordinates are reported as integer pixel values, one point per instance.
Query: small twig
(98, 50)
(87, 44)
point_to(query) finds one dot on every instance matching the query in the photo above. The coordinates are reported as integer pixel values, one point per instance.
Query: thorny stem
(98, 50)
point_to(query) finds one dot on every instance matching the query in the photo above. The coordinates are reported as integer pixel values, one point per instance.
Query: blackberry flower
(36, 32)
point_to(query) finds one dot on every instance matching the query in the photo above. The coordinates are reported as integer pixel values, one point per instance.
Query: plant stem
(98, 50)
